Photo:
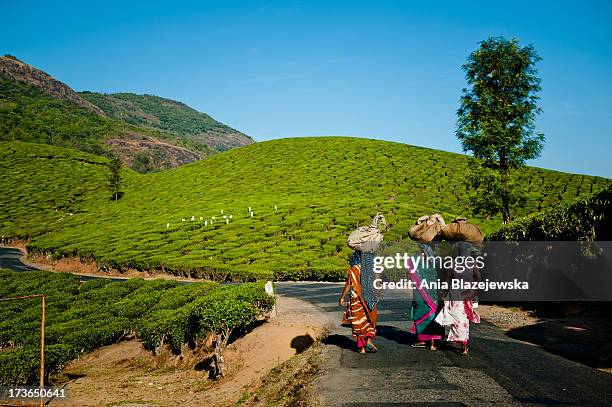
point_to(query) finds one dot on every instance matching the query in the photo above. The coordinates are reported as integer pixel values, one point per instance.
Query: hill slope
(35, 107)
(170, 116)
(322, 188)
(17, 70)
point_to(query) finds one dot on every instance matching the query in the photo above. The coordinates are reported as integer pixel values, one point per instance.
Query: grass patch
(289, 384)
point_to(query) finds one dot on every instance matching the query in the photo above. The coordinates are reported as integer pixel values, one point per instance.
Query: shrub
(584, 219)
(101, 312)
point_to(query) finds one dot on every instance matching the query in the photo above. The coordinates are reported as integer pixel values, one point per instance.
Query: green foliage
(28, 114)
(497, 113)
(142, 163)
(169, 116)
(44, 186)
(323, 188)
(31, 115)
(485, 188)
(216, 311)
(114, 178)
(81, 317)
(587, 218)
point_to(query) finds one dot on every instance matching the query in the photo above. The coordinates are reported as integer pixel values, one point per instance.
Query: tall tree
(115, 177)
(497, 114)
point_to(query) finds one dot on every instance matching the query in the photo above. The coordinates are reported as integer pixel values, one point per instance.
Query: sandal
(370, 348)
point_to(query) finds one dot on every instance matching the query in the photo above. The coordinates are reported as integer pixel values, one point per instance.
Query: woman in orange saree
(360, 314)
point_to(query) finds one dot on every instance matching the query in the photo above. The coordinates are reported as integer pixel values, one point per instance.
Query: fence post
(42, 352)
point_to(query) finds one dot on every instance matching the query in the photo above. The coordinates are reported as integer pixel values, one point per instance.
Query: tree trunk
(505, 196)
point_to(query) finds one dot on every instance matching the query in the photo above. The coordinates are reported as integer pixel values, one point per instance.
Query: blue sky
(388, 70)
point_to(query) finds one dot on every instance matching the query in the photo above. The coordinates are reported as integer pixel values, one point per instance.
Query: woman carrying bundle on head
(362, 308)
(460, 304)
(425, 304)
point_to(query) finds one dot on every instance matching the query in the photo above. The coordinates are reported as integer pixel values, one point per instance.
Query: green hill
(322, 188)
(169, 116)
(148, 133)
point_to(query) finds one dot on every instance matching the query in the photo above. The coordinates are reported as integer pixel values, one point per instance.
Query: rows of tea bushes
(304, 195)
(588, 218)
(44, 185)
(81, 317)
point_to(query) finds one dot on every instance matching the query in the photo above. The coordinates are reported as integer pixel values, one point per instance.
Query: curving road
(500, 371)
(10, 259)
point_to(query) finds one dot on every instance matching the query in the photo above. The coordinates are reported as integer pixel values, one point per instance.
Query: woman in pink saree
(460, 305)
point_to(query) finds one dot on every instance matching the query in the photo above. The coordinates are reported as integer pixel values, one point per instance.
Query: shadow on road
(340, 341)
(585, 340)
(397, 335)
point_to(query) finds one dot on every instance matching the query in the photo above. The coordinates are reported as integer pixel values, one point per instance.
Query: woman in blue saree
(425, 304)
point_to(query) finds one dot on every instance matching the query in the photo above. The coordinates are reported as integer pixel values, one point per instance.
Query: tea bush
(82, 317)
(588, 218)
(322, 188)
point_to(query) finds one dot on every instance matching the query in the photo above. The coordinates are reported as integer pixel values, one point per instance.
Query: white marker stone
(269, 288)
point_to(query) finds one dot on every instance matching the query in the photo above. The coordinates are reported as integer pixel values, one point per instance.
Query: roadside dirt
(126, 374)
(582, 333)
(507, 318)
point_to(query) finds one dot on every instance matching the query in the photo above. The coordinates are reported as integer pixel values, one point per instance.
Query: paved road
(499, 371)
(9, 259)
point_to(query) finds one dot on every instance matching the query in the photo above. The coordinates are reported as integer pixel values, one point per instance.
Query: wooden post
(42, 353)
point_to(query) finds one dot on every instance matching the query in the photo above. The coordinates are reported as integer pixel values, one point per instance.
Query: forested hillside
(156, 134)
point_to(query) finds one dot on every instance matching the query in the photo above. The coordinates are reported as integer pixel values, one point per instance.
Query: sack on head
(367, 238)
(460, 229)
(427, 228)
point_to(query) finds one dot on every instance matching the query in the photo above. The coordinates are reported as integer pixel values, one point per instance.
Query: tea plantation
(81, 317)
(277, 209)
(586, 218)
